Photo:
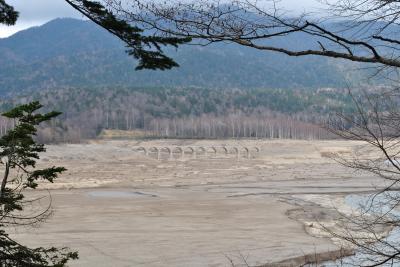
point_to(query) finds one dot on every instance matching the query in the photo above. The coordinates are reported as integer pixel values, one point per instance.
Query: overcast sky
(37, 12)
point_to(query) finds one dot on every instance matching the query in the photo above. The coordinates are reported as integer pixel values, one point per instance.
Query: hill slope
(71, 53)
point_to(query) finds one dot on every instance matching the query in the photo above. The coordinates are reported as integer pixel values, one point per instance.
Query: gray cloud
(43, 10)
(37, 12)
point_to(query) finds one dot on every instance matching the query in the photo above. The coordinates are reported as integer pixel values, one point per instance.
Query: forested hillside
(187, 112)
(75, 67)
(75, 53)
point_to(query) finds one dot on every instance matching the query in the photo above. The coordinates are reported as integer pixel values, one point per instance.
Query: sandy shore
(118, 206)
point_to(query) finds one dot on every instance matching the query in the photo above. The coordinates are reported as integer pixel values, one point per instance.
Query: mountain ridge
(67, 52)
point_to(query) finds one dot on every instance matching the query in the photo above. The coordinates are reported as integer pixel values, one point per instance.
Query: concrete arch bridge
(176, 152)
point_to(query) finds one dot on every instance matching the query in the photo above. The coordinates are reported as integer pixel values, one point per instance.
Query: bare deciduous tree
(377, 124)
(363, 31)
(366, 35)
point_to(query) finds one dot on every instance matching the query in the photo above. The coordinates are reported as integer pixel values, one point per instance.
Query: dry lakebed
(195, 202)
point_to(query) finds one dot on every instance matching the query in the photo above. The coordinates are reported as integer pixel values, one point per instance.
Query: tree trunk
(4, 182)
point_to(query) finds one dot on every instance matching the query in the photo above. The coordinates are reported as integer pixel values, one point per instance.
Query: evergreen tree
(8, 15)
(19, 152)
(146, 48)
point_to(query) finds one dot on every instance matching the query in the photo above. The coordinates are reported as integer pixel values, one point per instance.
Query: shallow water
(376, 206)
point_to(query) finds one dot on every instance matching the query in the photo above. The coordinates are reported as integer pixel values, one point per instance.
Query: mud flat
(121, 207)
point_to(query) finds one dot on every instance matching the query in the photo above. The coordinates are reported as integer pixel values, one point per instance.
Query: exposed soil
(120, 207)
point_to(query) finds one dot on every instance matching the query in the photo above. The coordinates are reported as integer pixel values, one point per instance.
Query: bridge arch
(141, 148)
(247, 151)
(236, 151)
(168, 150)
(191, 149)
(214, 149)
(179, 150)
(202, 149)
(155, 150)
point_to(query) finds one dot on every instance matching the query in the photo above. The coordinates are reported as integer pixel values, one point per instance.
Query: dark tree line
(187, 112)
